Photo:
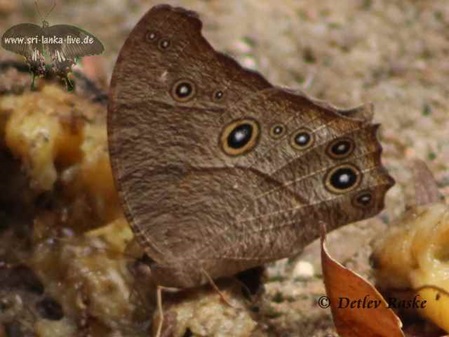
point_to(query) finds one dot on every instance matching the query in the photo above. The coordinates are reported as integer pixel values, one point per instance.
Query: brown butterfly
(220, 171)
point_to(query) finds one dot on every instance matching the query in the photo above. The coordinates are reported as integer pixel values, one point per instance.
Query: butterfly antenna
(38, 11)
(43, 18)
(51, 9)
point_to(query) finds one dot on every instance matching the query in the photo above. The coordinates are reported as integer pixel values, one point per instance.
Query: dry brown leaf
(358, 309)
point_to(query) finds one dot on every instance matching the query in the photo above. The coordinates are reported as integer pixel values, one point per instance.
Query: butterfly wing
(25, 39)
(217, 169)
(165, 53)
(76, 42)
(66, 43)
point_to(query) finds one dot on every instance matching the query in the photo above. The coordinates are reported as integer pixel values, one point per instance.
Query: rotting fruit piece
(415, 255)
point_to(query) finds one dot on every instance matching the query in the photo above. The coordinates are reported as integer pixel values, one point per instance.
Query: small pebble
(303, 269)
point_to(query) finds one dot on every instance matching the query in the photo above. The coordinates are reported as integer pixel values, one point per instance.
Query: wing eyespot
(277, 131)
(302, 139)
(217, 95)
(240, 137)
(363, 199)
(183, 90)
(342, 178)
(340, 148)
(164, 44)
(151, 36)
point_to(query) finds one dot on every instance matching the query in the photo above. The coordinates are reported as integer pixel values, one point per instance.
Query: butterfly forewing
(23, 39)
(76, 42)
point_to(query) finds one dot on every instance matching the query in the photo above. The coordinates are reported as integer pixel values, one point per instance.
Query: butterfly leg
(223, 297)
(62, 66)
(69, 84)
(36, 64)
(33, 86)
(160, 310)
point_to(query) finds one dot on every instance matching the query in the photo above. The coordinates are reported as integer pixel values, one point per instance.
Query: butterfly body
(220, 171)
(50, 49)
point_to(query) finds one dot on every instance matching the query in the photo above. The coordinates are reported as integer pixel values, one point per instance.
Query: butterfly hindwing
(220, 171)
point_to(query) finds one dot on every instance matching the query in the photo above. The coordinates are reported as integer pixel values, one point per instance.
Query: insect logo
(62, 45)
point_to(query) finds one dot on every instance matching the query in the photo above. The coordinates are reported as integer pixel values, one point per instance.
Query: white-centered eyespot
(302, 139)
(240, 137)
(363, 199)
(340, 148)
(164, 44)
(183, 90)
(342, 178)
(277, 131)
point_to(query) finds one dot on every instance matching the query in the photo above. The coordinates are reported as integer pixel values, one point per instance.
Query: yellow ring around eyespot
(255, 135)
(340, 156)
(300, 147)
(277, 136)
(335, 190)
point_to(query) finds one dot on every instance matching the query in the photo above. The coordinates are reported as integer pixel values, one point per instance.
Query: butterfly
(64, 44)
(218, 170)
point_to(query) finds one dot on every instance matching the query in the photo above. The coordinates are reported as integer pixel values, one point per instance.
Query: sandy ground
(392, 53)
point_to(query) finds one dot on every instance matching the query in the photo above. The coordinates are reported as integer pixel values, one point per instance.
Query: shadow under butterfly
(64, 44)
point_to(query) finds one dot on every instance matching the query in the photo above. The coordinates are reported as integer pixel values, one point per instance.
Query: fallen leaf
(358, 309)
